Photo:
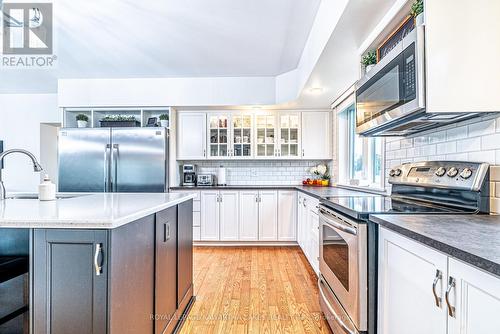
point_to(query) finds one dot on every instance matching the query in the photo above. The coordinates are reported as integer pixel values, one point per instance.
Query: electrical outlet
(253, 172)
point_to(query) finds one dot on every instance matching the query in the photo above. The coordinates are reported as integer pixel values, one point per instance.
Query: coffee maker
(189, 175)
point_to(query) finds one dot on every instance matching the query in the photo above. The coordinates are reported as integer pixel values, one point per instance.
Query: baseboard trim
(244, 243)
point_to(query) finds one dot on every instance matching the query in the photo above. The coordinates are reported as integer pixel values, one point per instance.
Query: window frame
(346, 145)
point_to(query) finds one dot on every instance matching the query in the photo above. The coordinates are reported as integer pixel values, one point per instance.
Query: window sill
(368, 189)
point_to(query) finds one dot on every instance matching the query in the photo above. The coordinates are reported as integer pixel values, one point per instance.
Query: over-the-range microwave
(390, 99)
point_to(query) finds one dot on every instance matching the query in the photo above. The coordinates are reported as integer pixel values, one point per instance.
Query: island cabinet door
(184, 254)
(70, 279)
(166, 270)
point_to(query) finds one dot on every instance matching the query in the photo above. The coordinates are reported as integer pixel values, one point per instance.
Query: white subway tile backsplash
(262, 172)
(482, 156)
(469, 145)
(446, 148)
(495, 173)
(456, 133)
(437, 137)
(482, 128)
(406, 143)
(457, 157)
(490, 142)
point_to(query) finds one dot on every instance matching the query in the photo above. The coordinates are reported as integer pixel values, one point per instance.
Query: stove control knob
(466, 173)
(392, 173)
(441, 171)
(398, 172)
(452, 172)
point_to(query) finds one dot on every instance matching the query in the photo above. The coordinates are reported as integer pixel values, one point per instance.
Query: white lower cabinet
(210, 214)
(229, 215)
(249, 215)
(287, 215)
(476, 299)
(308, 228)
(246, 216)
(268, 215)
(413, 280)
(196, 212)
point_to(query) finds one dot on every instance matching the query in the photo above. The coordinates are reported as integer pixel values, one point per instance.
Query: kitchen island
(96, 263)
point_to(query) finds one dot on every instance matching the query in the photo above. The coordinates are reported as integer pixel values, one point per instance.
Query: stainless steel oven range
(348, 241)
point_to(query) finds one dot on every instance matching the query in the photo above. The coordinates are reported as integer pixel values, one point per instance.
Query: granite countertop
(474, 239)
(89, 211)
(317, 192)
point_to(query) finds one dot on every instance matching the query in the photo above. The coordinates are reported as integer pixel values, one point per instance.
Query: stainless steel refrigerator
(113, 160)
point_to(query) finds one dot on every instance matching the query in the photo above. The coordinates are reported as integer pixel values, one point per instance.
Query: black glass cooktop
(361, 207)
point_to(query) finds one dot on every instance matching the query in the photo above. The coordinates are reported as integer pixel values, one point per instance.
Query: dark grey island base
(134, 278)
(473, 239)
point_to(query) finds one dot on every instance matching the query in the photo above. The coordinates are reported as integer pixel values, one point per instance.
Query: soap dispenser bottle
(46, 189)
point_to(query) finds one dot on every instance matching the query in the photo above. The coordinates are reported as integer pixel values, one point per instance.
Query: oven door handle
(330, 220)
(332, 311)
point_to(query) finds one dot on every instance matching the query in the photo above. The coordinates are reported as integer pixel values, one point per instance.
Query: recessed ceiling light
(316, 90)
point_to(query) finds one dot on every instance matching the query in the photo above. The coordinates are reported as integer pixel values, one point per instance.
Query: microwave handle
(330, 308)
(335, 223)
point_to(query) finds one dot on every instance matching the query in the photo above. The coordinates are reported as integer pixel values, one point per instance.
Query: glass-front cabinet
(266, 136)
(218, 135)
(242, 136)
(289, 135)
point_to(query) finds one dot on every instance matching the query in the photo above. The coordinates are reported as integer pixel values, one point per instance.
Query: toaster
(205, 180)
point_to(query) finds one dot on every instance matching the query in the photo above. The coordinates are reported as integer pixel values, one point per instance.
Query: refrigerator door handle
(114, 181)
(107, 148)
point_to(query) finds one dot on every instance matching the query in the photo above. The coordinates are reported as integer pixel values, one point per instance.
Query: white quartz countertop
(87, 211)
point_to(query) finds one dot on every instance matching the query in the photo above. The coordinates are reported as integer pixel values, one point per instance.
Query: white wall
(20, 118)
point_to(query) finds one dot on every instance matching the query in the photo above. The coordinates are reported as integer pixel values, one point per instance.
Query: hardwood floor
(254, 290)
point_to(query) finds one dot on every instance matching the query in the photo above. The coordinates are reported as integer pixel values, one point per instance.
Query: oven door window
(336, 254)
(381, 93)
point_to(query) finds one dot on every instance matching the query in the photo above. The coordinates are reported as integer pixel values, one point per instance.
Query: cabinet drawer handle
(451, 285)
(97, 265)
(439, 276)
(166, 232)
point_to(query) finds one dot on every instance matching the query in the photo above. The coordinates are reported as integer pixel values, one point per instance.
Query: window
(360, 158)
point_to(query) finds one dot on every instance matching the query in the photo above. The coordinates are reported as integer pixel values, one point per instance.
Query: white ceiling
(171, 38)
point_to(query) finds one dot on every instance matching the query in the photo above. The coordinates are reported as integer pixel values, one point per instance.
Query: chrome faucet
(36, 166)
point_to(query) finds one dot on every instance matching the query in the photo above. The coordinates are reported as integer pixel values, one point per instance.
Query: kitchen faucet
(36, 166)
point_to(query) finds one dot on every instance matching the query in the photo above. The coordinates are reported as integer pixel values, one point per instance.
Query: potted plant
(369, 60)
(417, 10)
(321, 174)
(82, 120)
(110, 121)
(164, 120)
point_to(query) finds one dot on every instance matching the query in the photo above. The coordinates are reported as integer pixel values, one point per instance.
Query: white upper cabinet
(265, 134)
(316, 135)
(191, 136)
(462, 48)
(289, 135)
(261, 135)
(242, 136)
(219, 134)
